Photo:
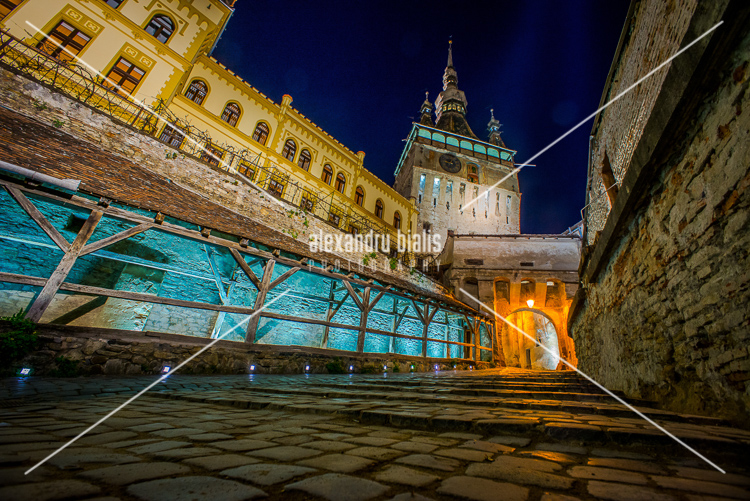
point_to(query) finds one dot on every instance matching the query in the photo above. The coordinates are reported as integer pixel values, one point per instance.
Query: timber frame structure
(464, 334)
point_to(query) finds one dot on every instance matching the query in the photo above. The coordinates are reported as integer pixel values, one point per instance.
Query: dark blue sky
(360, 69)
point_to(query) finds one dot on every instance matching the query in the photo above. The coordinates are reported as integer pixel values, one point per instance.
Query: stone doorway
(530, 354)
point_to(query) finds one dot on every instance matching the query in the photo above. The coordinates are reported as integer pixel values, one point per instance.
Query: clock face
(450, 163)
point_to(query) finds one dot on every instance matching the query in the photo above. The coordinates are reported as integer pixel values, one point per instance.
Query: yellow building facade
(157, 53)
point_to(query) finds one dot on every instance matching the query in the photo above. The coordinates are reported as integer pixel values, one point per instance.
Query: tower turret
(426, 111)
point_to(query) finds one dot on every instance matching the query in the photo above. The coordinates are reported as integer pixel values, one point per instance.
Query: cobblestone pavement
(482, 435)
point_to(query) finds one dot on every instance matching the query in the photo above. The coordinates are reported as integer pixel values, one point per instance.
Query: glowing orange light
(530, 302)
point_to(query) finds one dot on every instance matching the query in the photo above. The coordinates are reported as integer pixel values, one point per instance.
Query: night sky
(360, 70)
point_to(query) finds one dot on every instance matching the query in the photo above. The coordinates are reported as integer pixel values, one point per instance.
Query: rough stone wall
(112, 352)
(655, 35)
(668, 317)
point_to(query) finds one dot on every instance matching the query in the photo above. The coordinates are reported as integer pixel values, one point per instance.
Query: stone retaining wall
(116, 352)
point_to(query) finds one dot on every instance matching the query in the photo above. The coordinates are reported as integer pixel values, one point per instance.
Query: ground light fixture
(436, 368)
(351, 368)
(385, 367)
(24, 371)
(252, 368)
(307, 368)
(166, 369)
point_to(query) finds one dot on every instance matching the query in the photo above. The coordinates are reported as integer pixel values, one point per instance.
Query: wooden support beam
(49, 290)
(363, 320)
(354, 294)
(329, 315)
(100, 244)
(283, 277)
(38, 217)
(426, 319)
(245, 267)
(260, 299)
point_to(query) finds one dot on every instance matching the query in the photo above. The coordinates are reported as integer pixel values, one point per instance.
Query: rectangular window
(307, 202)
(246, 170)
(124, 77)
(334, 218)
(64, 42)
(422, 179)
(462, 193)
(7, 6)
(276, 188)
(172, 136)
(212, 155)
(497, 204)
(435, 190)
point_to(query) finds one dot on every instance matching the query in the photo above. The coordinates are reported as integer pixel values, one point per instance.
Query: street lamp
(530, 302)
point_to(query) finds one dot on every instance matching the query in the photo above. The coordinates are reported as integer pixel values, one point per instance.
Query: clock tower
(451, 174)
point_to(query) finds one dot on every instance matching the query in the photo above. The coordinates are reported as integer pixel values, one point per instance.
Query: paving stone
(465, 454)
(337, 487)
(396, 436)
(557, 457)
(285, 453)
(407, 476)
(376, 453)
(607, 474)
(338, 463)
(124, 444)
(460, 435)
(330, 445)
(177, 432)
(513, 471)
(410, 496)
(442, 442)
(10, 459)
(552, 496)
(21, 438)
(158, 446)
(150, 427)
(510, 440)
(89, 455)
(267, 435)
(244, 444)
(614, 453)
(104, 438)
(485, 446)
(12, 476)
(209, 437)
(711, 475)
(48, 491)
(267, 474)
(130, 473)
(625, 492)
(688, 484)
(31, 446)
(414, 447)
(376, 441)
(220, 461)
(332, 436)
(194, 489)
(294, 439)
(627, 464)
(427, 461)
(566, 448)
(480, 489)
(187, 452)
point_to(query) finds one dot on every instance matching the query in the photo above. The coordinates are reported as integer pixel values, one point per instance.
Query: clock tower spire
(450, 105)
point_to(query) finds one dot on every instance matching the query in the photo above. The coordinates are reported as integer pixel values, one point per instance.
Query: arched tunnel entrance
(528, 353)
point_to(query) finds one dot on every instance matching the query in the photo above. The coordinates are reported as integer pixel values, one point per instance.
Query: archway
(540, 327)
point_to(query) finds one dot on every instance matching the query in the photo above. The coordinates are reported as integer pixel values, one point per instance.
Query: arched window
(340, 182)
(261, 133)
(197, 91)
(327, 174)
(290, 149)
(473, 173)
(231, 114)
(304, 159)
(359, 196)
(161, 27)
(397, 220)
(379, 209)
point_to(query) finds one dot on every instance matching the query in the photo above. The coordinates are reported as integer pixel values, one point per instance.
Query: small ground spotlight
(252, 367)
(436, 368)
(25, 371)
(307, 368)
(351, 368)
(166, 369)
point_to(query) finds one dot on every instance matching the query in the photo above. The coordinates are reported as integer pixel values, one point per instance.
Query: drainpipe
(68, 184)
